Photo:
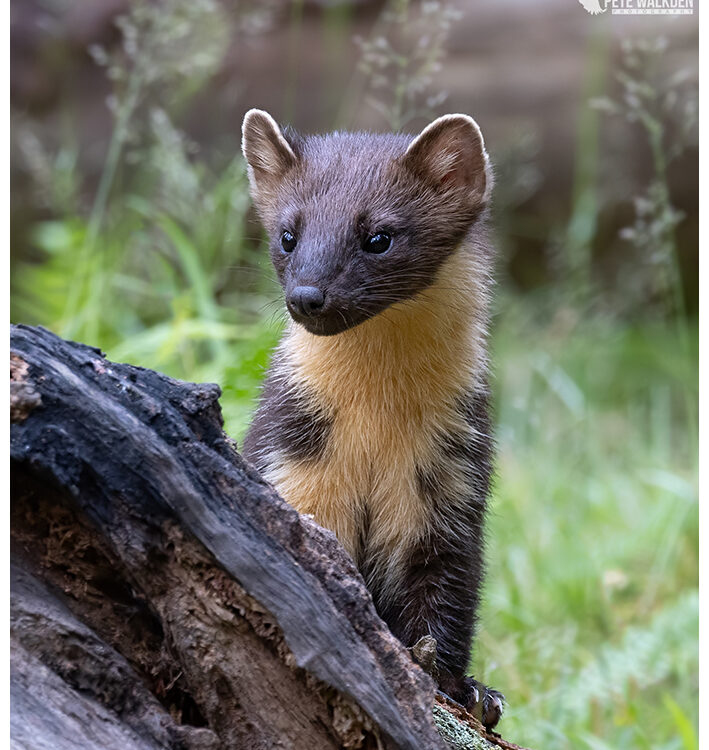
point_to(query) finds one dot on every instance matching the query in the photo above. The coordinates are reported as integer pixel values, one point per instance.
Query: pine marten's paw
(483, 702)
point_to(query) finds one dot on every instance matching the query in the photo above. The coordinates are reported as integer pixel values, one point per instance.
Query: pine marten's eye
(378, 243)
(288, 241)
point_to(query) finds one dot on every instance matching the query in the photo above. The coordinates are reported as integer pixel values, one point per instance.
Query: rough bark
(164, 596)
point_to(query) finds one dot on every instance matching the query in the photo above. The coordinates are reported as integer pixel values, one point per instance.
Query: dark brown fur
(332, 192)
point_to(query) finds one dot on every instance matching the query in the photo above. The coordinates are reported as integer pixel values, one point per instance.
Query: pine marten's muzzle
(307, 301)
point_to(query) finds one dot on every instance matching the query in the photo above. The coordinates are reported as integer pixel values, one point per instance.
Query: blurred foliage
(401, 58)
(591, 608)
(666, 111)
(590, 620)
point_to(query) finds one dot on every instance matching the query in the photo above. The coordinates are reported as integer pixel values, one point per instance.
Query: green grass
(590, 621)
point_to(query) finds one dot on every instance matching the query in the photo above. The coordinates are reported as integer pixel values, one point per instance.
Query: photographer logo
(640, 7)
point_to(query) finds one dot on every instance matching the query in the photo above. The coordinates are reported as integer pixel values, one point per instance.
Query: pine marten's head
(358, 222)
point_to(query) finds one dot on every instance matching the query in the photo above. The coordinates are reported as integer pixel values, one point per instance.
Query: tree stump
(164, 596)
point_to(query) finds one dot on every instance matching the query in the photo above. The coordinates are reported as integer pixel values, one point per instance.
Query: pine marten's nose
(306, 300)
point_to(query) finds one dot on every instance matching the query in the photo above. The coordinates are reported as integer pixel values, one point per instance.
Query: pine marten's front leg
(438, 596)
(439, 583)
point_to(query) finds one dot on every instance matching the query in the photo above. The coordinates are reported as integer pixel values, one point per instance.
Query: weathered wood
(164, 596)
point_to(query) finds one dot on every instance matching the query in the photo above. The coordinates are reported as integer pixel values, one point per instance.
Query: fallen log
(164, 596)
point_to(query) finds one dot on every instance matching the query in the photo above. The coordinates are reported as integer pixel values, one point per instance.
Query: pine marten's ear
(268, 154)
(451, 153)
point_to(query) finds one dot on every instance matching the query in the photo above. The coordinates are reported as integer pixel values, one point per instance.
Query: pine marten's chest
(365, 481)
(385, 406)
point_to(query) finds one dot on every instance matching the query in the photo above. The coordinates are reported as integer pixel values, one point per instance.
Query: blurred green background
(132, 230)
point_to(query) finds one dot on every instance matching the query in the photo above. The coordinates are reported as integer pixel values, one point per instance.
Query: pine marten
(374, 413)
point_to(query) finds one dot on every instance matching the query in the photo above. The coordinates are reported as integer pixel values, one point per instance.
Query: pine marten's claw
(483, 702)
